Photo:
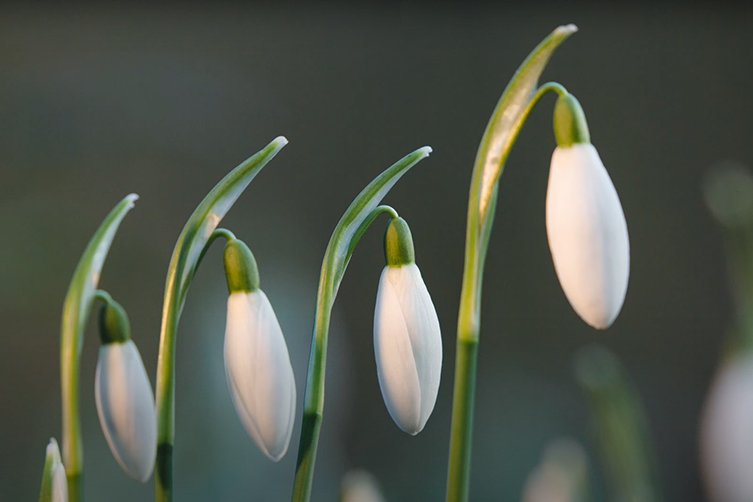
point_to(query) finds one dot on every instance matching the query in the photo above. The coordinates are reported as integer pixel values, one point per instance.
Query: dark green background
(164, 100)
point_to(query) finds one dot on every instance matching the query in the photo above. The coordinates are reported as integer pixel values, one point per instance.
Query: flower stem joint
(585, 224)
(407, 337)
(257, 363)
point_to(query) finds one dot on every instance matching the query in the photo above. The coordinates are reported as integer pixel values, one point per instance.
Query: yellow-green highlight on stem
(78, 303)
(197, 235)
(622, 431)
(503, 127)
(349, 230)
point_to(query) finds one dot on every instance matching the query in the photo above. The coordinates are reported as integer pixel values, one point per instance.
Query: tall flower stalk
(197, 235)
(500, 134)
(81, 295)
(360, 214)
(583, 233)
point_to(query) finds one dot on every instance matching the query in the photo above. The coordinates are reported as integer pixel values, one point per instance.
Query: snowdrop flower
(125, 402)
(585, 225)
(407, 338)
(54, 483)
(727, 433)
(257, 363)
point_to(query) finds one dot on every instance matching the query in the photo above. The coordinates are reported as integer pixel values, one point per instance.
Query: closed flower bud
(54, 483)
(257, 363)
(407, 338)
(727, 433)
(125, 402)
(585, 225)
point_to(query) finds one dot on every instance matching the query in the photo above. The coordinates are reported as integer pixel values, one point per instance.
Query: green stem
(504, 125)
(76, 308)
(198, 234)
(349, 230)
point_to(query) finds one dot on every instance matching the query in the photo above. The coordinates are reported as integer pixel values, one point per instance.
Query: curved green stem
(192, 244)
(511, 112)
(78, 302)
(349, 230)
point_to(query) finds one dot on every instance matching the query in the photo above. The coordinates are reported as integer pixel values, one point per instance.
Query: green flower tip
(398, 244)
(570, 125)
(280, 141)
(113, 323)
(241, 271)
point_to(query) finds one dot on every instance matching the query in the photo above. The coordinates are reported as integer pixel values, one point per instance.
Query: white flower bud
(587, 234)
(408, 346)
(727, 433)
(125, 405)
(54, 482)
(259, 372)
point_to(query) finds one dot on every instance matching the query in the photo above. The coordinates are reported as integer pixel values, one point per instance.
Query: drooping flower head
(407, 338)
(123, 394)
(585, 224)
(257, 364)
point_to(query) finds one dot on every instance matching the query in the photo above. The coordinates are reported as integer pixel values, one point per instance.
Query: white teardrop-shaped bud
(125, 402)
(54, 482)
(408, 346)
(587, 234)
(259, 372)
(125, 405)
(726, 441)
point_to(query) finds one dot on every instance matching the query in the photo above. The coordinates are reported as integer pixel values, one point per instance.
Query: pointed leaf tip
(566, 29)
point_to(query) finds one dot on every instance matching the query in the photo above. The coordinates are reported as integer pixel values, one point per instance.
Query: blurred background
(163, 101)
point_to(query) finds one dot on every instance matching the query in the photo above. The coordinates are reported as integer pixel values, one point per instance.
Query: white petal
(125, 405)
(259, 372)
(407, 346)
(727, 434)
(587, 234)
(59, 484)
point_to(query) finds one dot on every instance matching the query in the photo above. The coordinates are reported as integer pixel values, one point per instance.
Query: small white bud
(587, 234)
(726, 441)
(54, 481)
(259, 372)
(407, 346)
(125, 405)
